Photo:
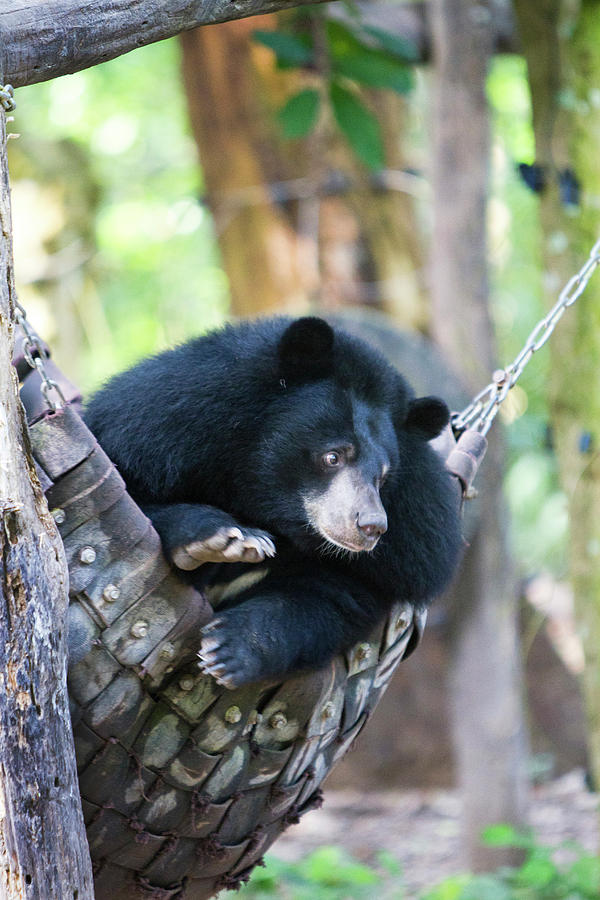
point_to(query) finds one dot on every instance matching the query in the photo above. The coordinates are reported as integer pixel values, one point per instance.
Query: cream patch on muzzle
(334, 512)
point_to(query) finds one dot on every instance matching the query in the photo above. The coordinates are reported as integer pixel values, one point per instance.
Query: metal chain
(482, 410)
(35, 354)
(7, 97)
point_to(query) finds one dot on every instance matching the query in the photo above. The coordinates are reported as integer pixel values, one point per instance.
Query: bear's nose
(372, 525)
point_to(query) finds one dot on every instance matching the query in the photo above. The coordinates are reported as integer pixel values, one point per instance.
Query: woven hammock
(184, 784)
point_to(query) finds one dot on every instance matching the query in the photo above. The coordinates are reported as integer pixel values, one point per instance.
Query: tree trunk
(298, 222)
(237, 144)
(560, 42)
(488, 720)
(43, 848)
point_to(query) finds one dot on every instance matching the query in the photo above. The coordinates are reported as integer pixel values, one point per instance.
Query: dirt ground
(421, 828)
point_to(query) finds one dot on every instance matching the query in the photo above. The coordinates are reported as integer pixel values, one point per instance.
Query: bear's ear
(427, 416)
(305, 350)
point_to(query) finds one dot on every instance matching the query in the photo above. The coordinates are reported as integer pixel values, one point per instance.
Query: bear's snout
(372, 525)
(349, 512)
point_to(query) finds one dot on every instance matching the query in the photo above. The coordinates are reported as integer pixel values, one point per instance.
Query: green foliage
(358, 125)
(332, 868)
(355, 56)
(508, 92)
(352, 57)
(504, 835)
(299, 115)
(450, 889)
(539, 508)
(539, 877)
(326, 874)
(290, 49)
(330, 874)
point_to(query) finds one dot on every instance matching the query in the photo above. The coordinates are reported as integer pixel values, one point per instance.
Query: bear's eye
(331, 459)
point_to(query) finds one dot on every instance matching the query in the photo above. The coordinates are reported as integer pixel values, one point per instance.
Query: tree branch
(46, 38)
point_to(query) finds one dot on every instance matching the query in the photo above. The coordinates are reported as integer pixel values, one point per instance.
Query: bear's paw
(226, 544)
(227, 653)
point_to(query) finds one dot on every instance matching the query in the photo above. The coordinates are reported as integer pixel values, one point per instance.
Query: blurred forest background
(297, 162)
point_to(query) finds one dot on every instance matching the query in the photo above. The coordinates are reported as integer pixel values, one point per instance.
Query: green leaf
(331, 868)
(367, 65)
(342, 39)
(298, 116)
(374, 69)
(504, 835)
(584, 876)
(393, 43)
(288, 48)
(359, 126)
(539, 871)
(450, 889)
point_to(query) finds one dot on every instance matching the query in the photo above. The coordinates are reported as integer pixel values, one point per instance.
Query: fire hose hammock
(184, 783)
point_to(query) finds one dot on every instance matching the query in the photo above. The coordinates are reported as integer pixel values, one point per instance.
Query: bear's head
(336, 437)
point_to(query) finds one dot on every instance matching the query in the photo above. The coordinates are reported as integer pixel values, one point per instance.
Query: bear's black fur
(295, 457)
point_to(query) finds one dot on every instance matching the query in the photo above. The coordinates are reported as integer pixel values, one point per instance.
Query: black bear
(297, 455)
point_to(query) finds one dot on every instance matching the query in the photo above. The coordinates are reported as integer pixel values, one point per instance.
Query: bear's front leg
(194, 534)
(272, 631)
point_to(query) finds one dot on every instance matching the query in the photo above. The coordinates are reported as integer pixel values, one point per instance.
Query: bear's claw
(227, 544)
(225, 656)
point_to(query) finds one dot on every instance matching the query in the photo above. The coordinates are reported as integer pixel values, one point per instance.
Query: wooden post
(43, 848)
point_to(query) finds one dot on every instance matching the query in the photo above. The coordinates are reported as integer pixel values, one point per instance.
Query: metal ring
(7, 97)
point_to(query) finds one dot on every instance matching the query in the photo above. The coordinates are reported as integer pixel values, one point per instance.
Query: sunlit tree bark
(560, 43)
(298, 222)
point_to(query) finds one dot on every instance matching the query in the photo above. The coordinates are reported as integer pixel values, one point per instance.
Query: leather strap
(465, 459)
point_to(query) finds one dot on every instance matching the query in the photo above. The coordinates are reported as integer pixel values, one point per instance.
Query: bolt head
(233, 715)
(362, 651)
(278, 720)
(402, 622)
(139, 630)
(328, 710)
(111, 593)
(59, 516)
(87, 556)
(187, 682)
(167, 652)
